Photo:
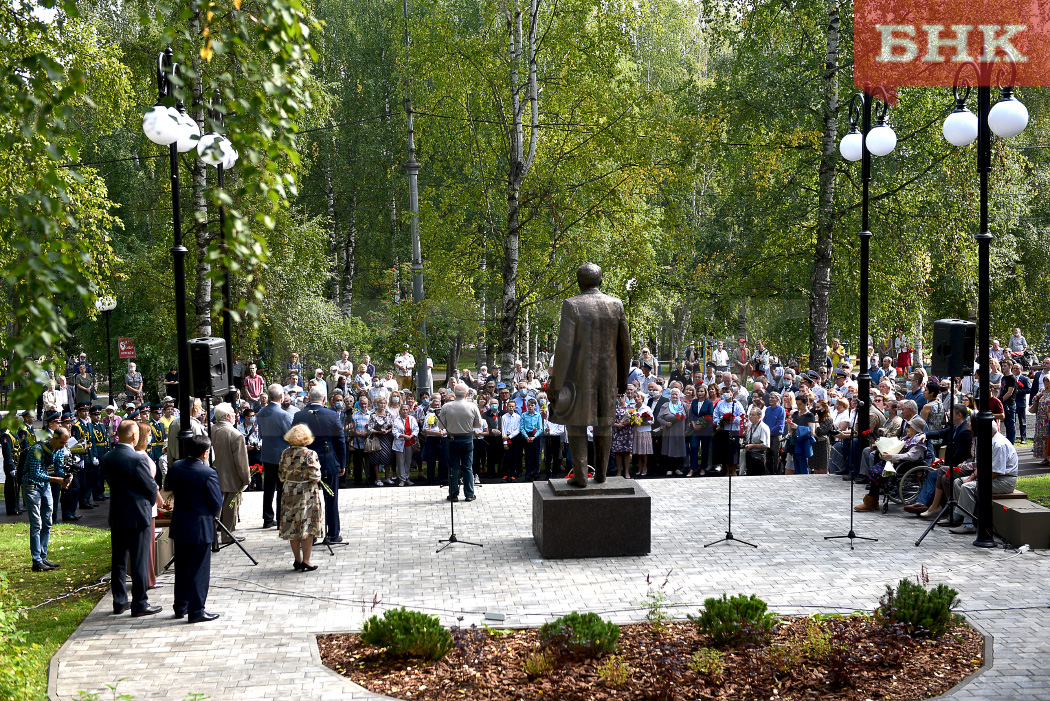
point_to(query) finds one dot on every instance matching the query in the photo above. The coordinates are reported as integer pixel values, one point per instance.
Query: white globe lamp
(960, 127)
(852, 145)
(1008, 117)
(161, 125)
(881, 140)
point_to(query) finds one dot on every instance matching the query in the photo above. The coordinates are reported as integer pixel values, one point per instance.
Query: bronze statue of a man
(591, 363)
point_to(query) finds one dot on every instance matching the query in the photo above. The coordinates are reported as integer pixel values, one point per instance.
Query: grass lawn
(84, 554)
(1036, 487)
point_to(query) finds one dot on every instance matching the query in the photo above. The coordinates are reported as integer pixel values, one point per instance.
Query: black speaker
(953, 347)
(209, 376)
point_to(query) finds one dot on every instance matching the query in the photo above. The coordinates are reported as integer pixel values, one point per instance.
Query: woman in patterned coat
(302, 509)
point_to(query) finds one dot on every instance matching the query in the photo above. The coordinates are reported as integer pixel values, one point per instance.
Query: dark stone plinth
(604, 520)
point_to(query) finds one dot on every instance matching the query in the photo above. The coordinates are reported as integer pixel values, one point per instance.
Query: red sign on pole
(903, 42)
(126, 347)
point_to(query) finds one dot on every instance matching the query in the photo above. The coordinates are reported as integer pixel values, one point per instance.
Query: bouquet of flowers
(165, 510)
(633, 419)
(679, 416)
(727, 419)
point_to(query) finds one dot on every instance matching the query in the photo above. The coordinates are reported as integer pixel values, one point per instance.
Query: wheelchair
(902, 483)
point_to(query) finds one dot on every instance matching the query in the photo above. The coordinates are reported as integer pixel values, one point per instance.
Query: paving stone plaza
(262, 647)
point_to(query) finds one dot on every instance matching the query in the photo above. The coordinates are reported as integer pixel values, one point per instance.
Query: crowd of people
(740, 412)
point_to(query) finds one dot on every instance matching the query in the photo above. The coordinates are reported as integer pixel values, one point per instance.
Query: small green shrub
(584, 634)
(735, 621)
(783, 658)
(817, 645)
(538, 664)
(407, 633)
(921, 611)
(655, 605)
(614, 671)
(708, 662)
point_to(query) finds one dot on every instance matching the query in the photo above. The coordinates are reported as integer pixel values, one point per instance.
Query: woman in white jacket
(406, 433)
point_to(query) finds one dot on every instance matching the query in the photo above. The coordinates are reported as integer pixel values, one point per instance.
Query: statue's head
(589, 275)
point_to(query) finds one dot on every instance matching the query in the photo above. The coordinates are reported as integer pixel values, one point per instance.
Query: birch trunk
(519, 163)
(821, 280)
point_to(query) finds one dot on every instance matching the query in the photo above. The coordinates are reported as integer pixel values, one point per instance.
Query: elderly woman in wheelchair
(901, 475)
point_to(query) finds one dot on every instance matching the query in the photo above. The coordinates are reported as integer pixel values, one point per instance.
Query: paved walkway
(262, 646)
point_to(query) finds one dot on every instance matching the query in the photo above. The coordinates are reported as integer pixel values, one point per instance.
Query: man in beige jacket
(231, 464)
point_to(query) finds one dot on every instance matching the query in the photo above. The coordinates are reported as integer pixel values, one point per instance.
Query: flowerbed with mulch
(852, 657)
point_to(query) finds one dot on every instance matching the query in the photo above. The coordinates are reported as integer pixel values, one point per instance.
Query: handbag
(372, 444)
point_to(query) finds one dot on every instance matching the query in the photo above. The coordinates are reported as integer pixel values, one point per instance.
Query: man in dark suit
(197, 503)
(591, 362)
(133, 492)
(330, 446)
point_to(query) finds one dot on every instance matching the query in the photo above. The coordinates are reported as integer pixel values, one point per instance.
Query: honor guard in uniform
(25, 438)
(78, 430)
(97, 450)
(158, 440)
(85, 471)
(10, 448)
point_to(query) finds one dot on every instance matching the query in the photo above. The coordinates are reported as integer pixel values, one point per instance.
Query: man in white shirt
(404, 363)
(720, 358)
(513, 443)
(1004, 479)
(344, 367)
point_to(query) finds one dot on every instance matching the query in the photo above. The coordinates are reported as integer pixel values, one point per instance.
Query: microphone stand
(729, 511)
(452, 537)
(852, 535)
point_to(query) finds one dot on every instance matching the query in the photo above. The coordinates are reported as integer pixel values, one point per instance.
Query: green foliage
(582, 634)
(817, 644)
(614, 671)
(783, 658)
(922, 612)
(38, 631)
(739, 620)
(496, 632)
(407, 633)
(708, 662)
(13, 652)
(538, 664)
(655, 605)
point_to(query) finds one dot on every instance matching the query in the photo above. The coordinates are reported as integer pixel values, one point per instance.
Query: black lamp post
(106, 305)
(1007, 118)
(859, 145)
(171, 127)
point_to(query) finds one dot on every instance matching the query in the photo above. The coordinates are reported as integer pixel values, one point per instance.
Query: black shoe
(87, 506)
(71, 517)
(179, 615)
(337, 539)
(269, 524)
(41, 567)
(309, 568)
(52, 565)
(117, 610)
(101, 497)
(450, 497)
(297, 565)
(148, 611)
(205, 616)
(471, 498)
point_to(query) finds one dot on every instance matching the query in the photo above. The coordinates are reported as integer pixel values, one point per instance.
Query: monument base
(610, 519)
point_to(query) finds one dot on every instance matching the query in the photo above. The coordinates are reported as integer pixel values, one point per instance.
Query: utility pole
(412, 168)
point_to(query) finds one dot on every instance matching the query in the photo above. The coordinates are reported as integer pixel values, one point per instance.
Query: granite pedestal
(610, 519)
